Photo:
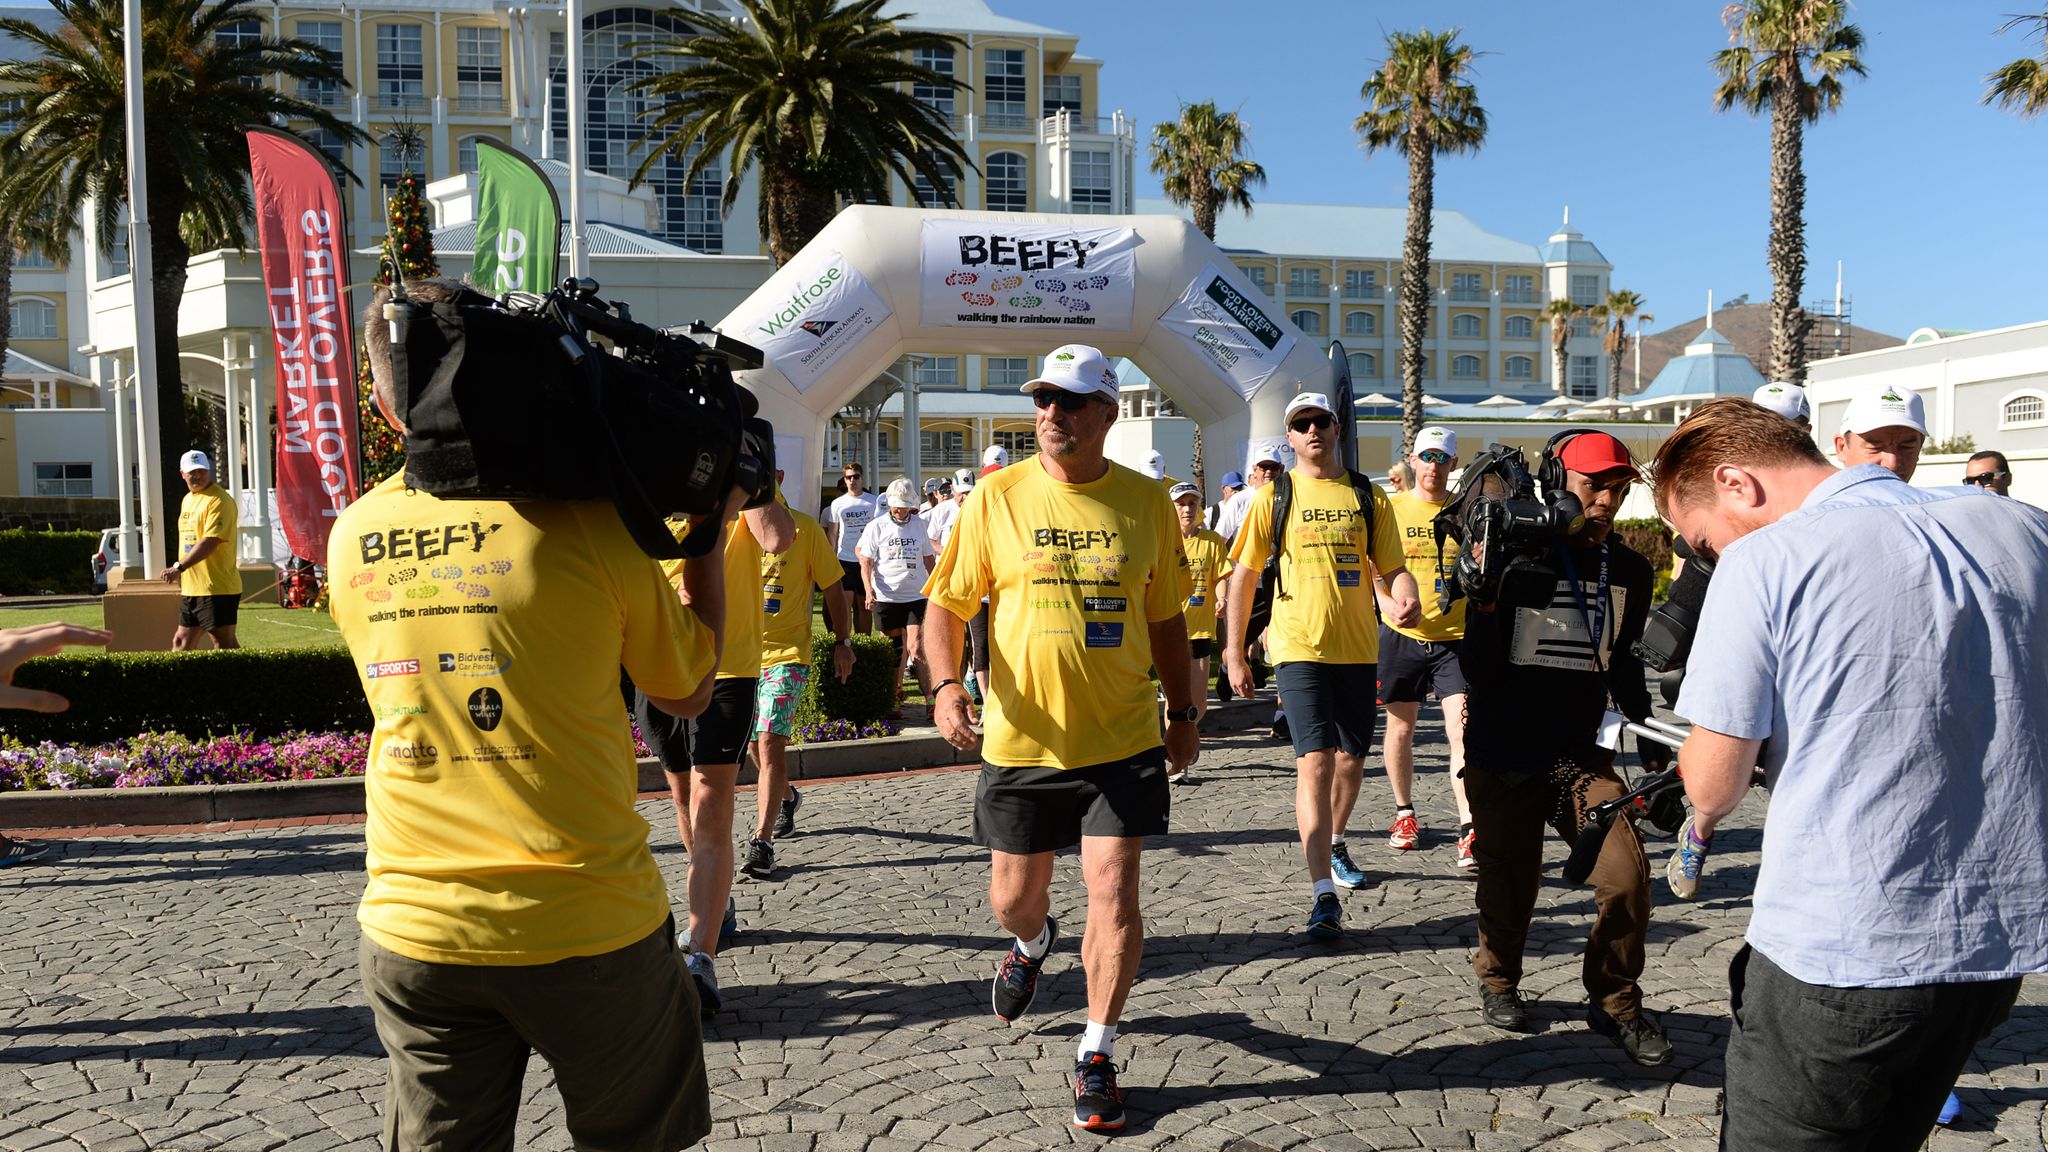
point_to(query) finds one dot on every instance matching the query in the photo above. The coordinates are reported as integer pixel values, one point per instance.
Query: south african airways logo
(818, 328)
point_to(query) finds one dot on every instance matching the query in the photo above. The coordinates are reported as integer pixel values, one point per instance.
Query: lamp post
(142, 304)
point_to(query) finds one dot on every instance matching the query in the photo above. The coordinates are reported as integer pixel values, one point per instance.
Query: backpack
(1283, 506)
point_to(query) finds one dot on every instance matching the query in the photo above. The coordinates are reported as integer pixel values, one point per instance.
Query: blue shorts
(1329, 705)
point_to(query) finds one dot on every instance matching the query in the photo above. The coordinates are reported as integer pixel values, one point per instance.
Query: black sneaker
(1638, 1035)
(760, 861)
(1326, 918)
(1016, 980)
(14, 851)
(1504, 1009)
(1098, 1102)
(1281, 731)
(785, 814)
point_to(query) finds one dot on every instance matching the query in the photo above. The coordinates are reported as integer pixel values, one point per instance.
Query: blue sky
(1933, 201)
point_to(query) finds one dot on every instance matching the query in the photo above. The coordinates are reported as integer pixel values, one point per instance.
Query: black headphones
(1550, 469)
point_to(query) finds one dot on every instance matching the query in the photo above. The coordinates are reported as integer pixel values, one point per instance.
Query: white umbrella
(1499, 401)
(1556, 402)
(1600, 408)
(1429, 401)
(1376, 400)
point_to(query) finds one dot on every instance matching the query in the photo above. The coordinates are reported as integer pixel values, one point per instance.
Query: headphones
(1550, 469)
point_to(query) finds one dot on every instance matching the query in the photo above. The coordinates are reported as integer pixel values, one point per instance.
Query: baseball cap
(902, 494)
(1233, 479)
(1270, 452)
(1591, 453)
(1885, 408)
(996, 456)
(1306, 401)
(1183, 489)
(193, 461)
(1787, 400)
(1154, 465)
(933, 484)
(963, 480)
(1076, 368)
(1441, 439)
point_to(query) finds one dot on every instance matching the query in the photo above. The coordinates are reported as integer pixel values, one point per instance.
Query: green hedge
(120, 694)
(1651, 538)
(867, 696)
(38, 563)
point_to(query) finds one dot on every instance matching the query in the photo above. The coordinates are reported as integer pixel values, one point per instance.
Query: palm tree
(1420, 102)
(1789, 56)
(199, 95)
(1561, 313)
(815, 92)
(2022, 85)
(1616, 311)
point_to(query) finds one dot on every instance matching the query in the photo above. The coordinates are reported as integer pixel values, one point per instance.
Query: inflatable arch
(879, 281)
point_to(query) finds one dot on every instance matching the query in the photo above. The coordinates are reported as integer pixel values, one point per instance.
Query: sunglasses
(1304, 423)
(1986, 479)
(1434, 456)
(1067, 401)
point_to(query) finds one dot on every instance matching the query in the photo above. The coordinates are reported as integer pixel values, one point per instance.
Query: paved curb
(207, 804)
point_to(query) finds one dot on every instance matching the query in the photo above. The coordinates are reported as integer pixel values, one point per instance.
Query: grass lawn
(260, 626)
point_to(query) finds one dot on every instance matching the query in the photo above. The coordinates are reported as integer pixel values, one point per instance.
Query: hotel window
(64, 479)
(930, 195)
(1304, 281)
(937, 372)
(2027, 408)
(1018, 444)
(1465, 367)
(1359, 324)
(1008, 373)
(1520, 328)
(1005, 188)
(1361, 283)
(1520, 368)
(332, 146)
(1466, 286)
(1465, 326)
(479, 70)
(1090, 178)
(326, 36)
(1003, 84)
(390, 165)
(937, 97)
(1584, 378)
(401, 68)
(32, 319)
(1585, 289)
(1310, 322)
(465, 155)
(241, 34)
(942, 448)
(1256, 275)
(1062, 94)
(30, 260)
(1520, 290)
(117, 256)
(1363, 365)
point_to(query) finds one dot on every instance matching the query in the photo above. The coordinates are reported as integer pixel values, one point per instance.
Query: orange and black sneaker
(1098, 1102)
(1016, 983)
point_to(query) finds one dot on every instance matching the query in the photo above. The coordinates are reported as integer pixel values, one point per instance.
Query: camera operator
(512, 902)
(1886, 648)
(1539, 683)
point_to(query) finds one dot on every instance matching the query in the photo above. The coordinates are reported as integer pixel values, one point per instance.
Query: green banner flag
(518, 222)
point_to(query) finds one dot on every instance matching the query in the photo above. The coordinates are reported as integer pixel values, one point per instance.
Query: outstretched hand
(18, 645)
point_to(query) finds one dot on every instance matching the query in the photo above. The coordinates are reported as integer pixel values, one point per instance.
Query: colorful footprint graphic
(423, 592)
(1050, 285)
(1091, 282)
(1075, 304)
(1026, 301)
(447, 572)
(401, 576)
(978, 299)
(377, 595)
(1005, 283)
(959, 278)
(362, 578)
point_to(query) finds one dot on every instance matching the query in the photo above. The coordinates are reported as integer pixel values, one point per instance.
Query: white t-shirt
(852, 514)
(939, 522)
(1230, 514)
(898, 551)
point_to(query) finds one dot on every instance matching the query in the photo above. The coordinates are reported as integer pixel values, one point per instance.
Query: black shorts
(1201, 647)
(1028, 810)
(977, 636)
(849, 579)
(1411, 669)
(208, 612)
(890, 617)
(1261, 615)
(1328, 705)
(717, 736)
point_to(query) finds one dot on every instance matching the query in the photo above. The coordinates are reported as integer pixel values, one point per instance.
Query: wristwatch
(1186, 715)
(941, 687)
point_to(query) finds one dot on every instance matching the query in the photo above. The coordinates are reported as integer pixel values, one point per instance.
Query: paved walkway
(198, 991)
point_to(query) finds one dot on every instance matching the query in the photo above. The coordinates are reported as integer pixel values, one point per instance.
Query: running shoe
(1342, 870)
(785, 814)
(760, 861)
(1951, 1110)
(1281, 731)
(1177, 775)
(1465, 837)
(1016, 982)
(1326, 919)
(1688, 860)
(706, 979)
(21, 852)
(1098, 1102)
(1404, 832)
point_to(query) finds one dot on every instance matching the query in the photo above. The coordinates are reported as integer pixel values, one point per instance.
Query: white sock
(1098, 1038)
(1337, 842)
(1036, 949)
(1323, 886)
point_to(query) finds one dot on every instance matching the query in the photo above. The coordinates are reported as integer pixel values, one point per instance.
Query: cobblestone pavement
(199, 992)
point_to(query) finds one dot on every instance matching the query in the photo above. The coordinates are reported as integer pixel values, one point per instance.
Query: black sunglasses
(1986, 479)
(1304, 423)
(1068, 401)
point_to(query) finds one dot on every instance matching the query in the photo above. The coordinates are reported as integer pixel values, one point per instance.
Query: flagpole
(143, 306)
(579, 252)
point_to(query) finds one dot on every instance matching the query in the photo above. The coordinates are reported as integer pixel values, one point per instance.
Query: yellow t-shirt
(786, 582)
(741, 658)
(209, 513)
(1206, 566)
(489, 637)
(1324, 611)
(1075, 574)
(1417, 519)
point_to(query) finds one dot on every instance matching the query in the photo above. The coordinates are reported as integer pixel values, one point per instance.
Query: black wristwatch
(941, 687)
(1186, 715)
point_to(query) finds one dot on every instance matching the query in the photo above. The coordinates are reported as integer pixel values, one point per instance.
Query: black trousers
(1813, 1068)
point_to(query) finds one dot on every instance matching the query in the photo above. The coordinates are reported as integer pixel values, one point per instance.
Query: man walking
(1323, 640)
(1884, 649)
(1082, 565)
(845, 519)
(209, 583)
(1207, 564)
(895, 557)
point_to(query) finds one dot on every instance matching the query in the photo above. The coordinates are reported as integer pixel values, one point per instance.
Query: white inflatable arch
(880, 281)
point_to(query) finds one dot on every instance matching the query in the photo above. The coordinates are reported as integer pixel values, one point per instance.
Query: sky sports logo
(393, 668)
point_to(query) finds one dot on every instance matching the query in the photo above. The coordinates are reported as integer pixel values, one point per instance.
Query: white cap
(193, 461)
(1787, 400)
(1442, 439)
(1304, 401)
(1178, 491)
(1885, 408)
(902, 493)
(963, 479)
(933, 484)
(997, 455)
(1154, 465)
(1276, 451)
(1076, 368)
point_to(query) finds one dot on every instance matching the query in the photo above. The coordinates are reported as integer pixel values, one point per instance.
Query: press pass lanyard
(1596, 621)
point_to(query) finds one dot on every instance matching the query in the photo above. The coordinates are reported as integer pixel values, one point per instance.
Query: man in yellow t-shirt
(512, 899)
(1323, 639)
(209, 584)
(1082, 567)
(787, 578)
(1421, 659)
(1207, 562)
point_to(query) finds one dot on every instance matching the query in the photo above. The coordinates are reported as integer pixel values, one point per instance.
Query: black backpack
(1283, 507)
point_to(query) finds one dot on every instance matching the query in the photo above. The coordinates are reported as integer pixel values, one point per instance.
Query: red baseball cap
(1591, 453)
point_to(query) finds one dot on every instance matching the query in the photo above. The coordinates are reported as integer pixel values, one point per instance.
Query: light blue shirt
(1891, 644)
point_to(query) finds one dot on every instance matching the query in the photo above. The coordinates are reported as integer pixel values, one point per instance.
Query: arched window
(1521, 368)
(1005, 187)
(1359, 324)
(1364, 366)
(1465, 367)
(1521, 328)
(2023, 408)
(1310, 322)
(32, 319)
(1465, 326)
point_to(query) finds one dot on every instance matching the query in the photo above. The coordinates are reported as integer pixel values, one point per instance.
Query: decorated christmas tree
(410, 243)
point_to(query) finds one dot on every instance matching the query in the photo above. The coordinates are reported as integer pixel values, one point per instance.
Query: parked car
(107, 555)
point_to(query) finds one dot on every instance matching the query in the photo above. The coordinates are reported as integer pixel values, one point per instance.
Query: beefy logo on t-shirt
(486, 708)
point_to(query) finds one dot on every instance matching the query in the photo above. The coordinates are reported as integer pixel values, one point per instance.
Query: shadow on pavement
(230, 1036)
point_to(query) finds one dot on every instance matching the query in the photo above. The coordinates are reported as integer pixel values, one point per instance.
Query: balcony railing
(389, 100)
(1468, 295)
(480, 105)
(1361, 292)
(324, 96)
(1009, 121)
(1518, 296)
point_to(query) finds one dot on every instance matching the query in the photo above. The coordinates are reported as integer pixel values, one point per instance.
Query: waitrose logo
(800, 300)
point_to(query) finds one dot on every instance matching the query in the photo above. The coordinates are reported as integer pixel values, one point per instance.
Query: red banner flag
(304, 237)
